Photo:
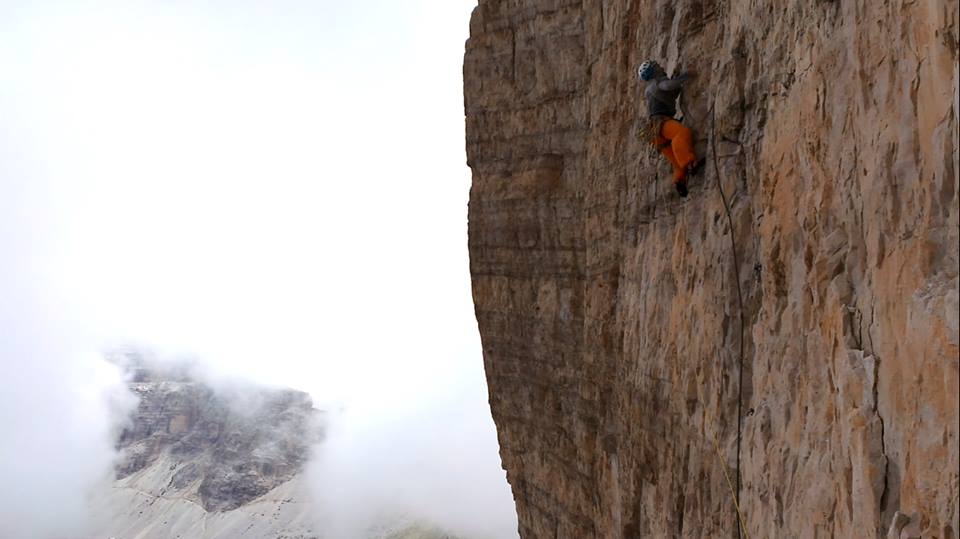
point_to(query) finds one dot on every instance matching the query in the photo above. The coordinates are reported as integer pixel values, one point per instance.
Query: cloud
(278, 189)
(58, 403)
(433, 462)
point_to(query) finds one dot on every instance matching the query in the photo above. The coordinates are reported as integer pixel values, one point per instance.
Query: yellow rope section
(723, 466)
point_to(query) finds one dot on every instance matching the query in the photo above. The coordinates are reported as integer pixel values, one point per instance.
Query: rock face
(640, 347)
(220, 462)
(228, 447)
(210, 463)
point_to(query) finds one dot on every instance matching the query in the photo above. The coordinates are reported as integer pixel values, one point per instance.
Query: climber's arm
(674, 83)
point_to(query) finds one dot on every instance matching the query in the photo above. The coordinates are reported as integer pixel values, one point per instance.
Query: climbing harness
(650, 130)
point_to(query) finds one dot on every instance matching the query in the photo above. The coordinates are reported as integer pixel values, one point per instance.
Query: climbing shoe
(682, 187)
(696, 166)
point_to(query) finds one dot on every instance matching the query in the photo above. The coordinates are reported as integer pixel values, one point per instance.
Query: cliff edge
(800, 339)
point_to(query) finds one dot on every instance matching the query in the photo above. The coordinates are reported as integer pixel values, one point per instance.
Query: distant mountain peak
(223, 447)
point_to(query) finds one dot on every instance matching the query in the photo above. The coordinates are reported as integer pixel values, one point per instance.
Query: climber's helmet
(648, 70)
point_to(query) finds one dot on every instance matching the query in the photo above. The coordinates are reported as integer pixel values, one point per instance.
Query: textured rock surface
(209, 463)
(609, 308)
(227, 447)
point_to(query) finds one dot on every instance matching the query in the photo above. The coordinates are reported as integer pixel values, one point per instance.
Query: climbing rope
(735, 491)
(736, 502)
(736, 270)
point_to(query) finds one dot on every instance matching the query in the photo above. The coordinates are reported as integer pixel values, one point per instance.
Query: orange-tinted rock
(608, 307)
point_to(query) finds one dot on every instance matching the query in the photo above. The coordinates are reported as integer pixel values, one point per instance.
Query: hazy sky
(277, 187)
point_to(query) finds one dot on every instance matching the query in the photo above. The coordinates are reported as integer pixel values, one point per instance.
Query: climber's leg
(667, 152)
(681, 142)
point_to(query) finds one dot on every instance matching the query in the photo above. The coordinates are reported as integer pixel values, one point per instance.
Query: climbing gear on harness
(647, 70)
(650, 131)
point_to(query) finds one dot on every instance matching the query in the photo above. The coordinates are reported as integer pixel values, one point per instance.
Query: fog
(427, 460)
(56, 404)
(278, 189)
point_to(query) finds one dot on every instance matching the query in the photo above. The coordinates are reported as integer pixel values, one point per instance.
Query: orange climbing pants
(676, 144)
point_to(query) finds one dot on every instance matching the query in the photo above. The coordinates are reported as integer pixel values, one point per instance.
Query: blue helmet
(648, 70)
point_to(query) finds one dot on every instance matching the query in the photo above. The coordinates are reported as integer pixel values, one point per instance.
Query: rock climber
(672, 138)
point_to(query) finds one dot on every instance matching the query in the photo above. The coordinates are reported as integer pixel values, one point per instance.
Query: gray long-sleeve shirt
(662, 94)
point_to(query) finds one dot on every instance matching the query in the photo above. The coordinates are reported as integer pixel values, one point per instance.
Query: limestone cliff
(638, 345)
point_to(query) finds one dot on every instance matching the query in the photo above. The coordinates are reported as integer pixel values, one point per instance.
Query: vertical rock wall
(609, 308)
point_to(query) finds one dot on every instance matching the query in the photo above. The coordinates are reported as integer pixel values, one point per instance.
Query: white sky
(277, 187)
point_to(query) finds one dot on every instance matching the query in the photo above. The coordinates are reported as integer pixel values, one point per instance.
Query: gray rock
(232, 446)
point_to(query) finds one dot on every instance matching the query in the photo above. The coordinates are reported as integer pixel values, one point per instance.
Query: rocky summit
(786, 336)
(223, 449)
(199, 461)
(221, 460)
